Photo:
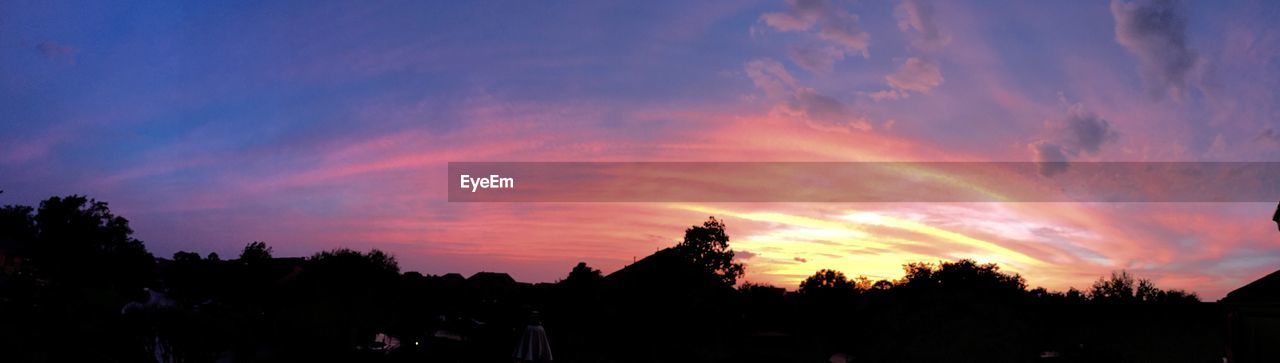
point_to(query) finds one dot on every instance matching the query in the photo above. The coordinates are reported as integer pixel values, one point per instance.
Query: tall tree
(708, 247)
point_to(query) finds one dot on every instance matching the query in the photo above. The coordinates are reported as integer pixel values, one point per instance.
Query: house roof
(491, 278)
(1263, 290)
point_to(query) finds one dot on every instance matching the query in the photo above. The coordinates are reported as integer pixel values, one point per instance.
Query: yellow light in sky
(800, 245)
(914, 226)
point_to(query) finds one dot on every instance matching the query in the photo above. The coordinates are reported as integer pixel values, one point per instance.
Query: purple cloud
(916, 75)
(820, 60)
(772, 77)
(917, 15)
(827, 22)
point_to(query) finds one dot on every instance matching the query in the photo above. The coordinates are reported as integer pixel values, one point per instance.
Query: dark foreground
(77, 287)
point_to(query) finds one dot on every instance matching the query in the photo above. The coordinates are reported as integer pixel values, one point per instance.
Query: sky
(315, 125)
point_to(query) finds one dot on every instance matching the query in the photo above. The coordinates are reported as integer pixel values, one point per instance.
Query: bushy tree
(1121, 287)
(1118, 288)
(827, 281)
(255, 251)
(79, 265)
(708, 247)
(583, 275)
(341, 298)
(961, 275)
(17, 228)
(881, 285)
(184, 256)
(80, 242)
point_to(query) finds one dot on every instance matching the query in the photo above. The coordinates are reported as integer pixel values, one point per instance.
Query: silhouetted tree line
(76, 286)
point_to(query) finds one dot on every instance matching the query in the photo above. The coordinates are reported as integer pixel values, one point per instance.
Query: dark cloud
(744, 255)
(1087, 131)
(1079, 132)
(801, 259)
(55, 51)
(1155, 32)
(917, 15)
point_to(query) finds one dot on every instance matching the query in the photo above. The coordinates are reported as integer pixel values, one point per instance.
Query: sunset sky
(312, 126)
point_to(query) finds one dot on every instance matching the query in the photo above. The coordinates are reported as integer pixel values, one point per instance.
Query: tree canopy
(1121, 287)
(77, 241)
(708, 247)
(583, 275)
(255, 251)
(826, 280)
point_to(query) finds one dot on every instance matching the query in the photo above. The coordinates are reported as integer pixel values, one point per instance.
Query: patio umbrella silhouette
(533, 345)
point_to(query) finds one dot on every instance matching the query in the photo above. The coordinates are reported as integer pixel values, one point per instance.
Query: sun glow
(875, 244)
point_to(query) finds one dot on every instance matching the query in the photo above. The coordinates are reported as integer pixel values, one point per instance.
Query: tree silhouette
(341, 298)
(962, 275)
(583, 275)
(17, 228)
(79, 265)
(183, 256)
(708, 247)
(80, 242)
(255, 251)
(1118, 288)
(1121, 287)
(827, 280)
(351, 265)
